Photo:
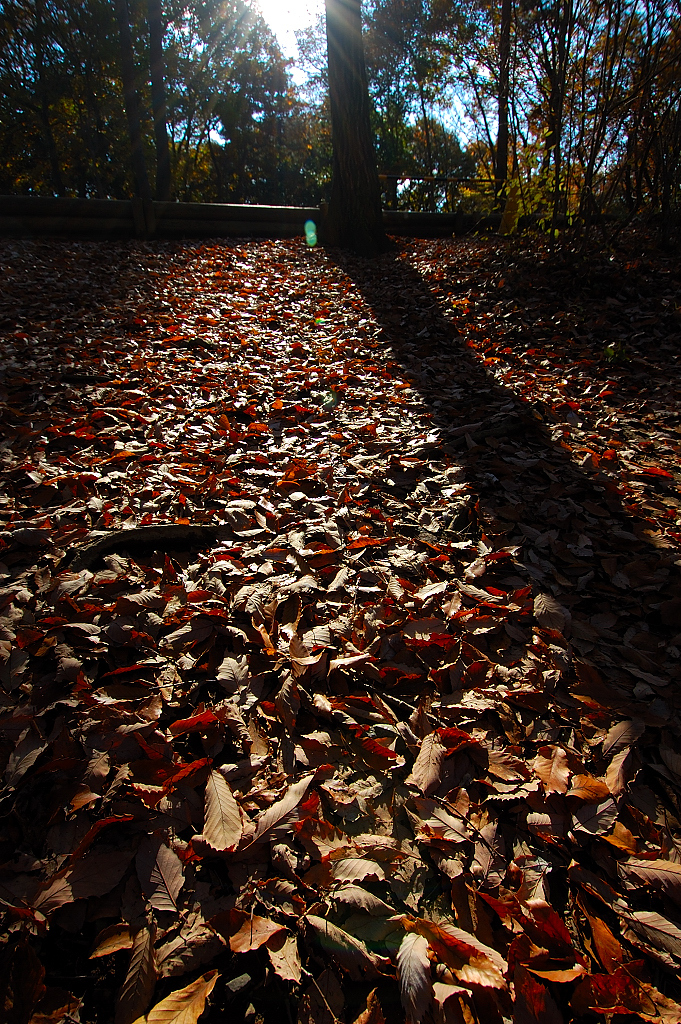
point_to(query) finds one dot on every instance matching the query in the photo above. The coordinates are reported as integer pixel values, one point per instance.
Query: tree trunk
(158, 99)
(429, 148)
(501, 159)
(354, 217)
(131, 100)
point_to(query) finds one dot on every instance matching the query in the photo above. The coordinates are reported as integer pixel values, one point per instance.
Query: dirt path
(340, 610)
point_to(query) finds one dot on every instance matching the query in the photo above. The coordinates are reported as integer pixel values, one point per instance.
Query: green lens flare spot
(310, 232)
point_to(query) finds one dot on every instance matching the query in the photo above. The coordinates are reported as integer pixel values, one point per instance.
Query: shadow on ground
(580, 542)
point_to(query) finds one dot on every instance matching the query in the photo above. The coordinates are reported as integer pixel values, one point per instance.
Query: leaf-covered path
(340, 609)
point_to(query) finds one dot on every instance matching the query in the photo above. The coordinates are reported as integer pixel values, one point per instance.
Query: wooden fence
(40, 216)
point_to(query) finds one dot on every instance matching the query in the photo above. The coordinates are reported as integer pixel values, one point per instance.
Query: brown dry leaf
(596, 819)
(93, 875)
(551, 765)
(437, 823)
(276, 815)
(413, 971)
(616, 775)
(549, 613)
(284, 955)
(194, 945)
(656, 930)
(561, 975)
(623, 839)
(361, 899)
(355, 869)
(372, 1013)
(588, 789)
(253, 933)
(159, 870)
(624, 734)
(533, 1003)
(425, 774)
(664, 875)
(470, 959)
(608, 947)
(184, 1006)
(111, 939)
(140, 981)
(506, 766)
(222, 827)
(622, 992)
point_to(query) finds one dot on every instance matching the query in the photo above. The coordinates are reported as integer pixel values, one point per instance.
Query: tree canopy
(570, 105)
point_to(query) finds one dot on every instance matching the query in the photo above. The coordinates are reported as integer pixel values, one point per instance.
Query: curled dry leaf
(372, 1012)
(616, 775)
(588, 789)
(111, 939)
(551, 765)
(276, 815)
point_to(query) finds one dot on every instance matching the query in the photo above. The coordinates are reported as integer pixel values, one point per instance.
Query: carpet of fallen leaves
(340, 634)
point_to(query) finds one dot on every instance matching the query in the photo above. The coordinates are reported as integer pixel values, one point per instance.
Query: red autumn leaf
(197, 723)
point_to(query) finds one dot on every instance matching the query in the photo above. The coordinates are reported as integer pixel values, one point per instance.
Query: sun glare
(285, 16)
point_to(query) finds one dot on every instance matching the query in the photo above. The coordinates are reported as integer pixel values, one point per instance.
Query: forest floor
(341, 633)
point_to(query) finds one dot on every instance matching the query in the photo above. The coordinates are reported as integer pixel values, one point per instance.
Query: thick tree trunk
(131, 100)
(354, 217)
(158, 99)
(501, 160)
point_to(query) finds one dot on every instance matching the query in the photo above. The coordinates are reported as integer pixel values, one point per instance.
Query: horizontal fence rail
(39, 216)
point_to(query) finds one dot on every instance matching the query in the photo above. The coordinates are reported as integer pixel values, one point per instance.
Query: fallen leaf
(413, 970)
(551, 765)
(253, 932)
(222, 827)
(425, 774)
(160, 873)
(185, 1005)
(282, 949)
(140, 981)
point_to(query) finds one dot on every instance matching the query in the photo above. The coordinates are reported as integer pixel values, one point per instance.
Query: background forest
(568, 107)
